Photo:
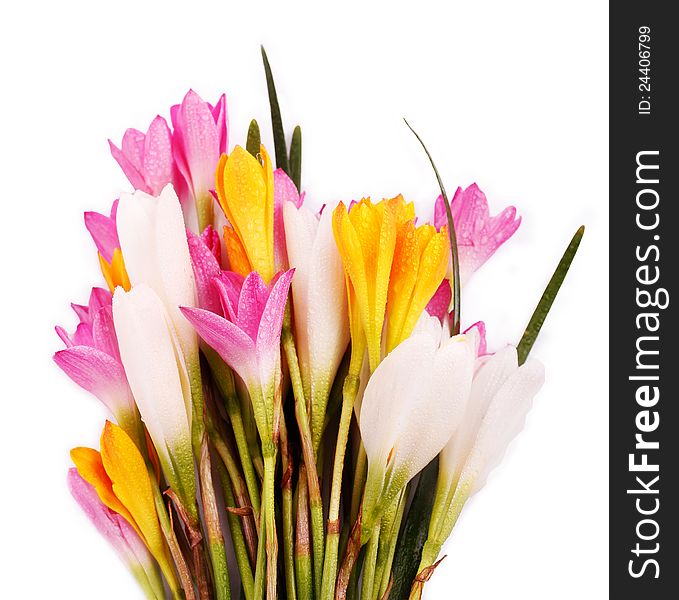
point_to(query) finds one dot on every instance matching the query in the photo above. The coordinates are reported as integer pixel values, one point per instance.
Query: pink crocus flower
(200, 137)
(146, 158)
(92, 359)
(478, 234)
(103, 231)
(284, 190)
(119, 533)
(248, 339)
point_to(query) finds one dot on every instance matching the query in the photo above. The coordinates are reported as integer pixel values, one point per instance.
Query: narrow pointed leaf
(254, 139)
(276, 120)
(548, 296)
(296, 158)
(452, 236)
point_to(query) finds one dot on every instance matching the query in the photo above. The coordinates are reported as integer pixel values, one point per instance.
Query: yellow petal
(114, 272)
(238, 258)
(91, 469)
(432, 270)
(132, 485)
(402, 281)
(245, 191)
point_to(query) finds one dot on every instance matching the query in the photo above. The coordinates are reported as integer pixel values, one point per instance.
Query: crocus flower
(501, 395)
(92, 360)
(319, 302)
(366, 239)
(245, 189)
(420, 261)
(146, 158)
(412, 405)
(199, 138)
(158, 376)
(248, 340)
(153, 240)
(122, 483)
(119, 533)
(478, 234)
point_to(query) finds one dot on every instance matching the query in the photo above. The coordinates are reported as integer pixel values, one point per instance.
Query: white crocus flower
(412, 405)
(154, 363)
(153, 242)
(501, 395)
(320, 304)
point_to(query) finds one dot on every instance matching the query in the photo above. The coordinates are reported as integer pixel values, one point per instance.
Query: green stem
(390, 544)
(359, 482)
(237, 538)
(269, 510)
(302, 542)
(315, 500)
(288, 526)
(349, 392)
(260, 566)
(220, 573)
(224, 378)
(370, 563)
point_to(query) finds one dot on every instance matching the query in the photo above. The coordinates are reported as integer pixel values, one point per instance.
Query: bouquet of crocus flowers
(292, 391)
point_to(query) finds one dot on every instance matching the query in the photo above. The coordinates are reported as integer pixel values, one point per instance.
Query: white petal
(151, 357)
(174, 264)
(153, 242)
(328, 320)
(490, 374)
(436, 412)
(301, 226)
(503, 420)
(394, 389)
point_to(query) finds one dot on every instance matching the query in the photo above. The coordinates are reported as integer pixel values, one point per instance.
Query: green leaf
(451, 236)
(296, 158)
(548, 296)
(414, 533)
(276, 121)
(254, 139)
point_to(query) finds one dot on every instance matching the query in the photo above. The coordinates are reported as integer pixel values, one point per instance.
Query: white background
(512, 95)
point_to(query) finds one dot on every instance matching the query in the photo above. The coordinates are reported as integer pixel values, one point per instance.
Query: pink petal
(196, 143)
(83, 334)
(228, 286)
(221, 117)
(63, 335)
(133, 148)
(103, 232)
(104, 333)
(233, 345)
(133, 175)
(110, 524)
(205, 269)
(269, 332)
(158, 163)
(440, 301)
(211, 239)
(251, 304)
(98, 373)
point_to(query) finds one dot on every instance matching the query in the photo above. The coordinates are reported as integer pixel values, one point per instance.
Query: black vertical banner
(644, 261)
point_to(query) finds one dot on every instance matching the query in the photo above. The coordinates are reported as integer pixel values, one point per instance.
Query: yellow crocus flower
(366, 239)
(419, 265)
(245, 190)
(121, 479)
